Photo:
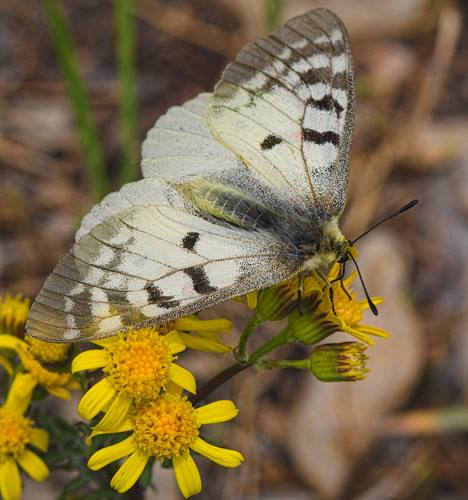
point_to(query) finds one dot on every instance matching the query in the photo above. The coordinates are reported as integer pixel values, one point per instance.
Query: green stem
(255, 320)
(278, 340)
(217, 380)
(298, 364)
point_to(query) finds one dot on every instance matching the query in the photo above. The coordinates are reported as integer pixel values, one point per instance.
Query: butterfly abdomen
(229, 204)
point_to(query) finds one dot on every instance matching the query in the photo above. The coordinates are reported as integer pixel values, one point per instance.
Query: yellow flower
(137, 364)
(53, 382)
(349, 310)
(47, 352)
(167, 428)
(328, 313)
(17, 432)
(13, 314)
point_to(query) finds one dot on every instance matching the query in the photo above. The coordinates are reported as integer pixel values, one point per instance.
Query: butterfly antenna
(369, 300)
(400, 211)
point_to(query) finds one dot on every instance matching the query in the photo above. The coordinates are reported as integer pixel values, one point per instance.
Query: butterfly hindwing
(286, 107)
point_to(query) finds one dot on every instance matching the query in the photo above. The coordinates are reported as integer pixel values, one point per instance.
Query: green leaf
(78, 98)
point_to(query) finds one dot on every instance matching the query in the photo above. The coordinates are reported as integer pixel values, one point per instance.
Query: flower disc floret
(15, 434)
(166, 427)
(345, 305)
(47, 352)
(139, 364)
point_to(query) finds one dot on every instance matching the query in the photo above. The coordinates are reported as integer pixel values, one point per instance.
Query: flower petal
(11, 342)
(19, 395)
(364, 304)
(219, 411)
(90, 360)
(373, 330)
(252, 299)
(126, 425)
(193, 324)
(172, 388)
(187, 475)
(40, 439)
(96, 399)
(222, 456)
(205, 345)
(106, 342)
(105, 456)
(183, 378)
(115, 415)
(6, 365)
(59, 392)
(10, 480)
(33, 465)
(130, 471)
(176, 344)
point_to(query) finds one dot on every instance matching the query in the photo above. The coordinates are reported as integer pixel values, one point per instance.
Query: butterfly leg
(340, 279)
(300, 289)
(328, 284)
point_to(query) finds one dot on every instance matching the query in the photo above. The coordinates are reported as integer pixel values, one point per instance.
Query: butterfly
(242, 188)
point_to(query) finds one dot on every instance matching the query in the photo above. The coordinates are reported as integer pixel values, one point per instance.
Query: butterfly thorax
(325, 250)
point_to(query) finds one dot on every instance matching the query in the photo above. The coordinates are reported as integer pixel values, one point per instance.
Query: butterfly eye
(344, 258)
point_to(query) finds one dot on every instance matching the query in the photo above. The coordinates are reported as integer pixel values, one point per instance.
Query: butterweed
(17, 433)
(167, 427)
(137, 365)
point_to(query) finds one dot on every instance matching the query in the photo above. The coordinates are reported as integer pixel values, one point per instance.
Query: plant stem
(255, 320)
(278, 340)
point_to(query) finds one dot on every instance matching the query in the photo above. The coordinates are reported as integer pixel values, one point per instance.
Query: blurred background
(81, 82)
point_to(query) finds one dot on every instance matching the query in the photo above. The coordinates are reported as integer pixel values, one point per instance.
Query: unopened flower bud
(339, 362)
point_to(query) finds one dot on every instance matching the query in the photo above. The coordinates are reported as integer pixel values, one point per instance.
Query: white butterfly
(242, 189)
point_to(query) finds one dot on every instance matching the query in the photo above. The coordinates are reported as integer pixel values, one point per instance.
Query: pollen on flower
(139, 363)
(166, 426)
(346, 308)
(16, 434)
(47, 352)
(13, 313)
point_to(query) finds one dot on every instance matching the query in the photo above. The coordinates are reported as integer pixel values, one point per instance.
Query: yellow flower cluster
(141, 392)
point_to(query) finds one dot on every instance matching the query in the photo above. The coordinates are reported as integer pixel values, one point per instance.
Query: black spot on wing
(190, 240)
(316, 75)
(200, 280)
(270, 141)
(156, 296)
(327, 103)
(321, 137)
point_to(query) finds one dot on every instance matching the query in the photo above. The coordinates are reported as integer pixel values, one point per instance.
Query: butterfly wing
(285, 106)
(148, 264)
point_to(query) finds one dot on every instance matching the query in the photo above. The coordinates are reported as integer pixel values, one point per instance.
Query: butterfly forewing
(286, 107)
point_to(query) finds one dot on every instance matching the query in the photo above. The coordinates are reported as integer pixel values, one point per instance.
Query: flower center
(166, 426)
(139, 363)
(47, 352)
(15, 434)
(347, 309)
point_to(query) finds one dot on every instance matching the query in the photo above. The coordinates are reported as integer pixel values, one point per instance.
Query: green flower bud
(339, 362)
